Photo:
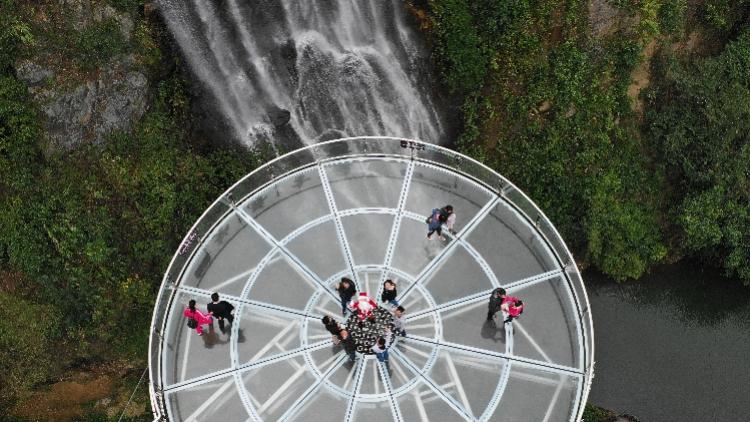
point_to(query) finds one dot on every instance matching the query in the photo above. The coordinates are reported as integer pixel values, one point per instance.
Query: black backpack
(192, 323)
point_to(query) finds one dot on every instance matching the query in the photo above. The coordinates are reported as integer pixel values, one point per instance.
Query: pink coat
(510, 307)
(198, 316)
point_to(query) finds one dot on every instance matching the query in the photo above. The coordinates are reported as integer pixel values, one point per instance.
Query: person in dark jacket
(389, 293)
(332, 327)
(221, 310)
(346, 290)
(350, 347)
(496, 301)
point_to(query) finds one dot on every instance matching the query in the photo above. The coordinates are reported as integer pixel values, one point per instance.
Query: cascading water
(324, 68)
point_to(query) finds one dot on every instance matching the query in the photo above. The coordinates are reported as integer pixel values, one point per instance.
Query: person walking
(512, 307)
(196, 318)
(435, 224)
(221, 310)
(496, 301)
(389, 293)
(346, 291)
(450, 218)
(333, 327)
(398, 321)
(350, 347)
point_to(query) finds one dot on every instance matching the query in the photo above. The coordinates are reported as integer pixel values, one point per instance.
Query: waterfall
(324, 68)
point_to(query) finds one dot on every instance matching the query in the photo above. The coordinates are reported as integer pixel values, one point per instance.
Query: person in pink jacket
(201, 319)
(512, 307)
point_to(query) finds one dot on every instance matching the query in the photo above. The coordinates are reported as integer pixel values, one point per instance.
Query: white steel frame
(582, 374)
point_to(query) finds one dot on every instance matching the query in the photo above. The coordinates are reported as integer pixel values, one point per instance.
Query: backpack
(436, 213)
(192, 323)
(443, 215)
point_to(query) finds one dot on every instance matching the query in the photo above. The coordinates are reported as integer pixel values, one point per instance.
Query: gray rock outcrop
(115, 100)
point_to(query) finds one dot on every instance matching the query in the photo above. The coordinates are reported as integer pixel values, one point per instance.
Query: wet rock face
(89, 112)
(33, 74)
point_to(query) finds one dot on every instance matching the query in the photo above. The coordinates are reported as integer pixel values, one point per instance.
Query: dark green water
(674, 346)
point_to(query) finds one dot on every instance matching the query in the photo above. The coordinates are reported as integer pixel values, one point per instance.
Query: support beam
(436, 262)
(340, 232)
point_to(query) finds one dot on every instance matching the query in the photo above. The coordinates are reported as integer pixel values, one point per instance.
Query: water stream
(309, 70)
(673, 346)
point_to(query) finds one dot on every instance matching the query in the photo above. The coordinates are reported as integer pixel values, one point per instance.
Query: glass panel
(470, 379)
(468, 325)
(319, 248)
(275, 388)
(546, 330)
(511, 248)
(458, 276)
(325, 407)
(289, 203)
(433, 188)
(205, 401)
(413, 251)
(264, 333)
(532, 394)
(422, 404)
(227, 259)
(378, 411)
(276, 282)
(371, 382)
(366, 183)
(368, 235)
(191, 355)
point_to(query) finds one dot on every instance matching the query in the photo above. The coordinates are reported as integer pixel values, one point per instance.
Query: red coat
(364, 305)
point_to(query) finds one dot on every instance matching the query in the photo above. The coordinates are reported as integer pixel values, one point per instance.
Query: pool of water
(673, 346)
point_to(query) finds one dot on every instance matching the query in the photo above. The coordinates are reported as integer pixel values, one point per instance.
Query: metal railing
(353, 147)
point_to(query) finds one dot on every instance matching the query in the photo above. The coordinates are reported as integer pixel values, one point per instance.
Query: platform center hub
(366, 332)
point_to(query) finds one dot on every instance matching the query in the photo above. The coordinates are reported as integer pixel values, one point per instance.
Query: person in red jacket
(364, 306)
(512, 307)
(200, 318)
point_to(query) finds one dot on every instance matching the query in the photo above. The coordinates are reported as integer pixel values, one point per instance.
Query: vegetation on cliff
(614, 116)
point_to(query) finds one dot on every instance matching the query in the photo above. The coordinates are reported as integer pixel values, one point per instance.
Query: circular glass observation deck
(276, 244)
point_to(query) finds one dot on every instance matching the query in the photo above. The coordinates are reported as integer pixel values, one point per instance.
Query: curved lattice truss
(276, 244)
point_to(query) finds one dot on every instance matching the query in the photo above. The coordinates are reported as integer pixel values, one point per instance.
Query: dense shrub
(701, 125)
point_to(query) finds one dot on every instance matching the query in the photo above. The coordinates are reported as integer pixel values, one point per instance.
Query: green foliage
(15, 35)
(593, 413)
(672, 16)
(552, 108)
(701, 129)
(623, 239)
(458, 46)
(98, 43)
(27, 335)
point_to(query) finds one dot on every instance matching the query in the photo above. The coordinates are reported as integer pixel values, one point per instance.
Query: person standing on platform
(512, 307)
(333, 327)
(350, 347)
(398, 321)
(380, 348)
(435, 224)
(196, 318)
(389, 293)
(450, 218)
(346, 291)
(221, 310)
(496, 301)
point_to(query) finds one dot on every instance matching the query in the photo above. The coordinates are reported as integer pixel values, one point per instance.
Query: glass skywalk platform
(276, 244)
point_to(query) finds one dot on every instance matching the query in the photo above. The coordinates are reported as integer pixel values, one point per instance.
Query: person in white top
(380, 348)
(450, 219)
(398, 321)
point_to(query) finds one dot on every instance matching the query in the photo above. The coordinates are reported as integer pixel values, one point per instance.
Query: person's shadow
(212, 338)
(490, 330)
